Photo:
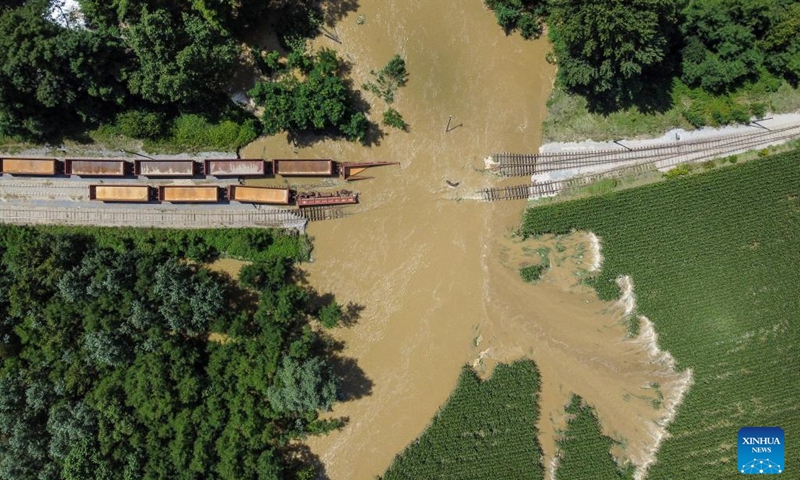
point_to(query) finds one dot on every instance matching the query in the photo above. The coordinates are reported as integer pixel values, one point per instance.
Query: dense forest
(124, 358)
(641, 52)
(158, 70)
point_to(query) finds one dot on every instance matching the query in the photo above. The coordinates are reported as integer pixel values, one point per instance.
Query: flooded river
(434, 269)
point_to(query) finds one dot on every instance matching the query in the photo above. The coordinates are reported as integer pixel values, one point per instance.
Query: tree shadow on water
(300, 458)
(335, 10)
(351, 314)
(354, 382)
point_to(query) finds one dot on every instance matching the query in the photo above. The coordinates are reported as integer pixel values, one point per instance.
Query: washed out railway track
(510, 165)
(318, 214)
(612, 163)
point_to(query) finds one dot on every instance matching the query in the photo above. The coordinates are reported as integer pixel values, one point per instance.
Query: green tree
(320, 103)
(607, 48)
(330, 315)
(721, 48)
(392, 118)
(303, 386)
(178, 62)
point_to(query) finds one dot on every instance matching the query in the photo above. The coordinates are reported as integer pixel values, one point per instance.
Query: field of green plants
(583, 450)
(487, 430)
(714, 259)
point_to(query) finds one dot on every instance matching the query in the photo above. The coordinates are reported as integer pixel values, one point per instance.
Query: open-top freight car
(216, 167)
(189, 194)
(165, 168)
(121, 193)
(269, 195)
(302, 168)
(95, 167)
(313, 199)
(29, 166)
(352, 171)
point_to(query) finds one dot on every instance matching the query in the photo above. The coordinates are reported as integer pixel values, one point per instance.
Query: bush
(330, 315)
(680, 171)
(531, 273)
(141, 124)
(392, 118)
(387, 80)
(194, 132)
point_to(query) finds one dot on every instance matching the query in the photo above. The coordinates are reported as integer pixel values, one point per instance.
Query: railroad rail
(318, 214)
(114, 216)
(733, 145)
(508, 164)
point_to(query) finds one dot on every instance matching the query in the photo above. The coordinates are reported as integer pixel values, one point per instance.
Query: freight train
(115, 193)
(181, 168)
(184, 168)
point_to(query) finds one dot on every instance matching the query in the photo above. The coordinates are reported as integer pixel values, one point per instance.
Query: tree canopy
(606, 49)
(110, 369)
(307, 93)
(728, 42)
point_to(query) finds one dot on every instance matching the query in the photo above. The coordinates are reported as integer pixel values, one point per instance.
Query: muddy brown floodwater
(436, 270)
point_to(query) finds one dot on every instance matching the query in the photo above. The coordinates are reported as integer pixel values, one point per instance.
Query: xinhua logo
(761, 450)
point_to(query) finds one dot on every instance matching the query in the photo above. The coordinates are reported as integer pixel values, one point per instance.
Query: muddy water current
(436, 270)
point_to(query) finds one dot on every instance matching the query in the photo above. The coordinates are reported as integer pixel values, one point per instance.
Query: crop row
(487, 430)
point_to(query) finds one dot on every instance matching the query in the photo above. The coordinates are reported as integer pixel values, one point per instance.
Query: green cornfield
(583, 450)
(715, 259)
(487, 430)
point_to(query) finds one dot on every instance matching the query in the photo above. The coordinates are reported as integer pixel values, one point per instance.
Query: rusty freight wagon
(165, 168)
(303, 168)
(235, 167)
(189, 194)
(95, 167)
(29, 166)
(120, 193)
(274, 196)
(313, 199)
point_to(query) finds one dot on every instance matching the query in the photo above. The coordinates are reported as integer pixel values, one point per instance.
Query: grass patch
(714, 260)
(486, 430)
(186, 133)
(569, 119)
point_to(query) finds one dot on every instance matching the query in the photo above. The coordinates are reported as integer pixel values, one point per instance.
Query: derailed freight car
(189, 194)
(29, 166)
(121, 193)
(165, 168)
(303, 168)
(96, 167)
(235, 167)
(269, 195)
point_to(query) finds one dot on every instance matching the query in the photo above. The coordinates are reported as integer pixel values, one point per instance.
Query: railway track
(720, 149)
(17, 188)
(522, 165)
(27, 214)
(318, 214)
